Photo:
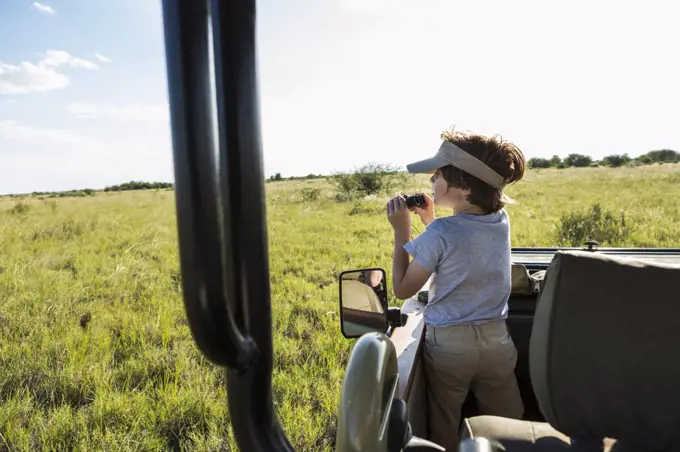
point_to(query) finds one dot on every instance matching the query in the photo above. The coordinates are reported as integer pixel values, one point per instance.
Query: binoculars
(416, 200)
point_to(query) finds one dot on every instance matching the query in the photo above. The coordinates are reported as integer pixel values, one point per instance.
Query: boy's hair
(502, 156)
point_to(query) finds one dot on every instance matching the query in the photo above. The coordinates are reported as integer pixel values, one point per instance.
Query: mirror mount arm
(396, 318)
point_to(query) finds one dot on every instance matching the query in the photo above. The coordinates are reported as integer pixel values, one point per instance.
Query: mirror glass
(363, 302)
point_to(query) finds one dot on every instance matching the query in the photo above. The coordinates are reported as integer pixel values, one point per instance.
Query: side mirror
(363, 302)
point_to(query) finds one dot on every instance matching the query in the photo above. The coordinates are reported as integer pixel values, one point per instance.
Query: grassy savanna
(95, 352)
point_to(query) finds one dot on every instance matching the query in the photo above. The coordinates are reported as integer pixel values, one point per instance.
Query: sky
(84, 103)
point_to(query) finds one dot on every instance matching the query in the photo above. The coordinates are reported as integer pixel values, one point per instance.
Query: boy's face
(445, 196)
(439, 191)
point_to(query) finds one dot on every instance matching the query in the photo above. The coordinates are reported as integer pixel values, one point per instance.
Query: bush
(344, 184)
(365, 208)
(52, 203)
(575, 228)
(19, 208)
(310, 194)
(370, 179)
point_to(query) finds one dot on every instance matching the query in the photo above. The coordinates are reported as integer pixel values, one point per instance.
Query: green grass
(132, 378)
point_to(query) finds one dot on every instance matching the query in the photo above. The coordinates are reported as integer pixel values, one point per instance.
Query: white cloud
(102, 58)
(132, 112)
(43, 8)
(28, 78)
(45, 75)
(56, 58)
(14, 131)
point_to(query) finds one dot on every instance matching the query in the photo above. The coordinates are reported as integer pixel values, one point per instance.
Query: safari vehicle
(597, 341)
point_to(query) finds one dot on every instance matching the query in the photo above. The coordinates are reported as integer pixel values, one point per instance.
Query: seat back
(605, 349)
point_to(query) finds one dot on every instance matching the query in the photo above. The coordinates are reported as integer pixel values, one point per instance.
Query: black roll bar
(220, 203)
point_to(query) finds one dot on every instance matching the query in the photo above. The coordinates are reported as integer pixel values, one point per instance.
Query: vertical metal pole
(244, 207)
(221, 206)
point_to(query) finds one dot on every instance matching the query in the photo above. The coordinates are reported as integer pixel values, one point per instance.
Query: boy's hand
(398, 216)
(426, 212)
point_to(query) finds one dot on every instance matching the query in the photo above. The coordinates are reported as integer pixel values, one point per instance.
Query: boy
(467, 344)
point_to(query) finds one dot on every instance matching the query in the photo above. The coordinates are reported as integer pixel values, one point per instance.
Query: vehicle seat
(604, 359)
(520, 280)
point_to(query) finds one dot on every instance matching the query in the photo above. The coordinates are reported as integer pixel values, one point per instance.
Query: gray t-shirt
(470, 258)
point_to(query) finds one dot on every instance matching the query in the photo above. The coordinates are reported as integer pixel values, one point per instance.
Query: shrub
(370, 179)
(20, 207)
(52, 204)
(344, 184)
(365, 208)
(575, 228)
(310, 194)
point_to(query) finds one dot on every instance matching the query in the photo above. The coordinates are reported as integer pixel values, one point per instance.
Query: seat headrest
(605, 349)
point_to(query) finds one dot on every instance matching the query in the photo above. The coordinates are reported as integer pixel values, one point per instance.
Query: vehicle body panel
(409, 339)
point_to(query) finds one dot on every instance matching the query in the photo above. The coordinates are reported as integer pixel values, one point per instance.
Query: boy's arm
(407, 278)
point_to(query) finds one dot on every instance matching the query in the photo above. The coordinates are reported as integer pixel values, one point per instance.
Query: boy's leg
(495, 385)
(450, 359)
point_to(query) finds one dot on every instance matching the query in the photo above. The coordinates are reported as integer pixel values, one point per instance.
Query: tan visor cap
(450, 154)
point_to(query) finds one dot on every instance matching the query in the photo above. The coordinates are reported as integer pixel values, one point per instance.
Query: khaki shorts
(460, 358)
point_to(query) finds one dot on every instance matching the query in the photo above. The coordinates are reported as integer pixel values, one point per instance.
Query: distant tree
(615, 160)
(139, 185)
(644, 160)
(578, 160)
(275, 178)
(659, 156)
(537, 162)
(555, 161)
